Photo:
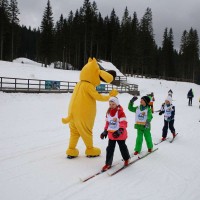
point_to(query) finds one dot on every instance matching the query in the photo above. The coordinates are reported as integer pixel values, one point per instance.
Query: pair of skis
(116, 168)
(132, 161)
(167, 139)
(100, 172)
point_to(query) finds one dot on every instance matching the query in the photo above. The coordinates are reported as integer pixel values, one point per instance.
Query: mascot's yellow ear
(94, 59)
(89, 59)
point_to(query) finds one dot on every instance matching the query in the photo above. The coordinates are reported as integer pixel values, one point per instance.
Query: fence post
(1, 82)
(28, 84)
(39, 85)
(107, 88)
(15, 83)
(60, 85)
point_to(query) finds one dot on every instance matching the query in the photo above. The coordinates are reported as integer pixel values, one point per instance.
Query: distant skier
(143, 117)
(169, 113)
(170, 93)
(115, 128)
(190, 96)
(152, 99)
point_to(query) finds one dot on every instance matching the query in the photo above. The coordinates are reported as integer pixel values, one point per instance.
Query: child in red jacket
(115, 128)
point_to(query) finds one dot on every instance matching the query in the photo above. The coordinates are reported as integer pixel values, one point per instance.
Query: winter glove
(161, 112)
(117, 133)
(147, 125)
(133, 99)
(104, 134)
(113, 93)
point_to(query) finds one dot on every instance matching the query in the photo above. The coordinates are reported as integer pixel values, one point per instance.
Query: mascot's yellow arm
(88, 100)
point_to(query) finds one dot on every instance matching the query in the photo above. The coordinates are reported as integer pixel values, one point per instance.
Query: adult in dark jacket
(190, 95)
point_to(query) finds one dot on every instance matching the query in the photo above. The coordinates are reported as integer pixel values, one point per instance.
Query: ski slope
(33, 142)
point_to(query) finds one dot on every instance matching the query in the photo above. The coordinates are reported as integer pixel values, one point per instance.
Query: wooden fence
(8, 84)
(118, 80)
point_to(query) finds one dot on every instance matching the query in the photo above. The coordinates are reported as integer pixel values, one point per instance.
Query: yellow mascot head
(92, 73)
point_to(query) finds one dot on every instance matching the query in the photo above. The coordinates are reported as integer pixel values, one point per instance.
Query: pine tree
(47, 35)
(59, 41)
(90, 18)
(28, 43)
(172, 71)
(113, 38)
(93, 40)
(147, 45)
(87, 19)
(167, 67)
(78, 38)
(125, 41)
(194, 51)
(134, 43)
(4, 24)
(14, 12)
(164, 53)
(190, 53)
(184, 53)
(100, 36)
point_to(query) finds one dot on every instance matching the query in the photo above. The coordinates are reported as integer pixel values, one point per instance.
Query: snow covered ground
(33, 142)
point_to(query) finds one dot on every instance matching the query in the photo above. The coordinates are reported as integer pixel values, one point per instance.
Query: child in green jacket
(143, 118)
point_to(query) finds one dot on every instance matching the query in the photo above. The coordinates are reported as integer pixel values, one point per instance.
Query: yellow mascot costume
(82, 108)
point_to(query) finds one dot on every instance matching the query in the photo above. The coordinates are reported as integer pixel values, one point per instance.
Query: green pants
(139, 139)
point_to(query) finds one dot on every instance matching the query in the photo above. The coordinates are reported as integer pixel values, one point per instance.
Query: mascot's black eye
(102, 79)
(112, 72)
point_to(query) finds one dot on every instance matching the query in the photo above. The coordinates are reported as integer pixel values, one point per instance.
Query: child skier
(143, 118)
(115, 128)
(169, 112)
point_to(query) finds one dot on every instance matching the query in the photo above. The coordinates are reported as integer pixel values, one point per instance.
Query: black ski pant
(167, 124)
(190, 101)
(111, 148)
